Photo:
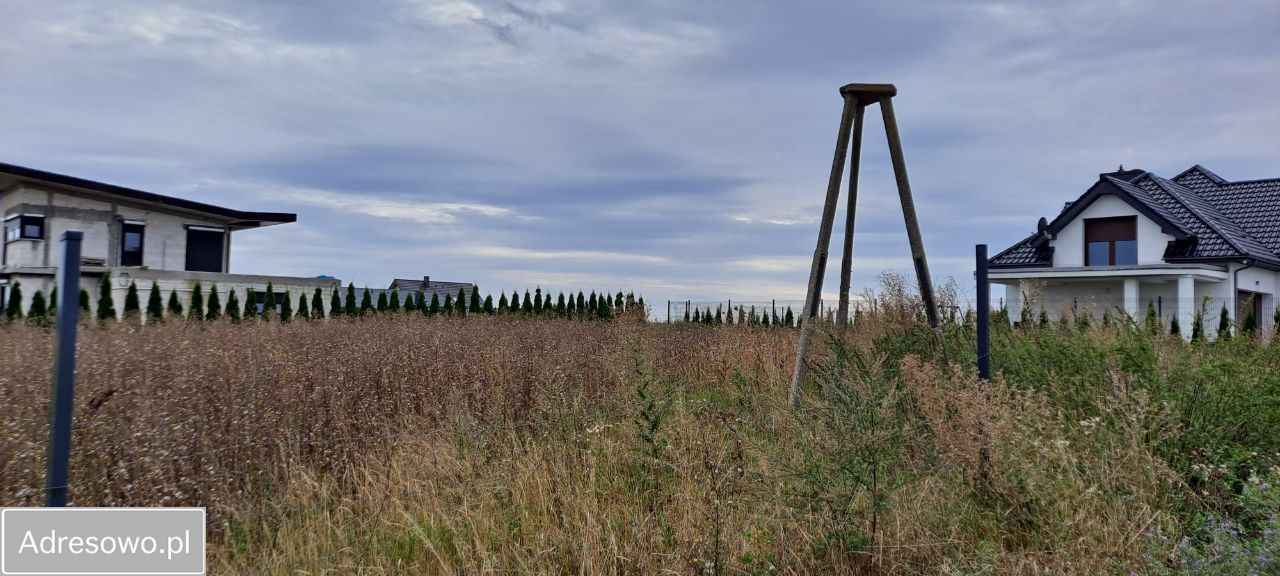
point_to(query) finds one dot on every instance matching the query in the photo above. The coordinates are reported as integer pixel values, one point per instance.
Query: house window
(28, 226)
(1111, 241)
(260, 298)
(132, 234)
(204, 248)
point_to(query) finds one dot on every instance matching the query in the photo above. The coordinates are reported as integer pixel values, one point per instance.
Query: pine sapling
(132, 304)
(155, 305)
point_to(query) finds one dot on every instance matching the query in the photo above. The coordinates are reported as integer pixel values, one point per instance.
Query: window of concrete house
(26, 226)
(204, 248)
(131, 237)
(1111, 241)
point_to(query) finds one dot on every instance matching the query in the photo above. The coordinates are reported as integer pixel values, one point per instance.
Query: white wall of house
(164, 239)
(1068, 244)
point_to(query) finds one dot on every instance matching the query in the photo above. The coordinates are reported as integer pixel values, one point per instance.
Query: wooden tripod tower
(856, 99)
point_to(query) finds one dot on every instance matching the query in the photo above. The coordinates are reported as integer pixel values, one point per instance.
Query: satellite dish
(1042, 226)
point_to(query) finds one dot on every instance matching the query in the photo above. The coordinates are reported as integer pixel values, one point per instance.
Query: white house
(137, 236)
(1134, 239)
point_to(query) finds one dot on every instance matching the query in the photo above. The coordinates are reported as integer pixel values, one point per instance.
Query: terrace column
(1186, 305)
(1131, 297)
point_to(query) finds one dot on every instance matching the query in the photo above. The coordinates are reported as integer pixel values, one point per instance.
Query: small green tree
(537, 300)
(269, 303)
(383, 305)
(250, 305)
(393, 300)
(790, 317)
(1250, 323)
(366, 302)
(84, 303)
(526, 307)
(571, 309)
(317, 304)
(351, 308)
(1197, 321)
(1224, 324)
(335, 303)
(410, 302)
(232, 309)
(1174, 329)
(561, 308)
(502, 302)
(106, 305)
(448, 304)
(13, 309)
(488, 304)
(476, 306)
(581, 303)
(175, 304)
(214, 307)
(53, 301)
(303, 312)
(195, 311)
(460, 304)
(132, 304)
(155, 305)
(418, 301)
(1152, 321)
(38, 313)
(286, 308)
(434, 308)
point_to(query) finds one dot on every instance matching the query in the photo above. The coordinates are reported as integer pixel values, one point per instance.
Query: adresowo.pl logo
(102, 541)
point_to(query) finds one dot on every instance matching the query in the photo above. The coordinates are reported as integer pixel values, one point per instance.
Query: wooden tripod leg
(846, 261)
(819, 268)
(909, 214)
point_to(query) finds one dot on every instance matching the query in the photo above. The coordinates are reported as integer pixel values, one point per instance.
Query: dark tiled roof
(1218, 218)
(239, 218)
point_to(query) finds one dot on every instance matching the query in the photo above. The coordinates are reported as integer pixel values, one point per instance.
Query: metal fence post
(64, 369)
(984, 363)
(984, 312)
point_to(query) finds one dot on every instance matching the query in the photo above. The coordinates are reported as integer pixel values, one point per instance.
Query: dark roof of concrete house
(1210, 218)
(11, 174)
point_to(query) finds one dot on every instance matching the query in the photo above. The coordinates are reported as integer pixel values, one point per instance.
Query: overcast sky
(678, 148)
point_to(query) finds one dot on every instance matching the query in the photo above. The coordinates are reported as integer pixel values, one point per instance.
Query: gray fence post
(984, 312)
(64, 369)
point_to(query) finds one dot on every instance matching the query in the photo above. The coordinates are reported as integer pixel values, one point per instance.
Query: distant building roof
(428, 286)
(1211, 219)
(11, 174)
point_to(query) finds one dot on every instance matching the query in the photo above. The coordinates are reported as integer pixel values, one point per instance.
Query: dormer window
(1111, 241)
(26, 226)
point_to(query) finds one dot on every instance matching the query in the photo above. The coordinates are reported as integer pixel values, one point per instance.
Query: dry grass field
(400, 444)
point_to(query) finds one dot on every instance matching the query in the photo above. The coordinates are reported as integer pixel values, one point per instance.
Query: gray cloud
(677, 148)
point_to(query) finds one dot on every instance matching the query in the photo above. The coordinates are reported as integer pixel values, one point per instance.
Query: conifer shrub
(214, 307)
(448, 304)
(84, 303)
(286, 309)
(488, 304)
(250, 305)
(335, 303)
(476, 305)
(304, 311)
(434, 308)
(38, 312)
(269, 303)
(232, 309)
(351, 307)
(382, 305)
(155, 304)
(393, 300)
(460, 303)
(132, 304)
(13, 310)
(106, 305)
(195, 310)
(317, 304)
(1224, 324)
(366, 302)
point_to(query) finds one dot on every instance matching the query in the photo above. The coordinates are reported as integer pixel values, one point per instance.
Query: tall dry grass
(402, 444)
